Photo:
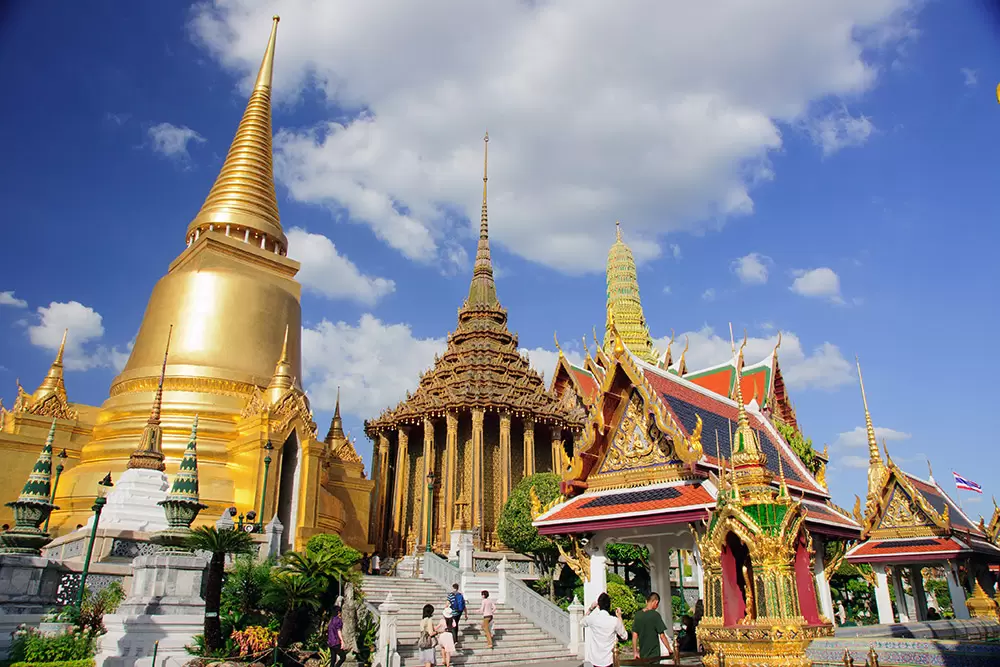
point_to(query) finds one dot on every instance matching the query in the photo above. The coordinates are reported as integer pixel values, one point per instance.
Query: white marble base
(129, 640)
(132, 502)
(462, 548)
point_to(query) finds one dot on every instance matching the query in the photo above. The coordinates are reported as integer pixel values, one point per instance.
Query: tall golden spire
(624, 302)
(483, 290)
(243, 200)
(282, 380)
(876, 467)
(747, 447)
(336, 432)
(149, 454)
(53, 382)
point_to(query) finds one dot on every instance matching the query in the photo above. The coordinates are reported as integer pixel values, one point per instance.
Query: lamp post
(427, 508)
(268, 447)
(55, 485)
(98, 507)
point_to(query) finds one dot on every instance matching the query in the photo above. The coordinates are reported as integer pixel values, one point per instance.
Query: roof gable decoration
(899, 509)
(611, 406)
(993, 530)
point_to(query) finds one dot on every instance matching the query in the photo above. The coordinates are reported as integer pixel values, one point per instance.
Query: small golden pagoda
(479, 420)
(233, 303)
(624, 305)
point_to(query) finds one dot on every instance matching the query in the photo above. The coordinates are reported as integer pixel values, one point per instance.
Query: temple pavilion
(480, 419)
(910, 524)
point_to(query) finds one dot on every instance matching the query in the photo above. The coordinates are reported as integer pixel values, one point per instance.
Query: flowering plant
(255, 640)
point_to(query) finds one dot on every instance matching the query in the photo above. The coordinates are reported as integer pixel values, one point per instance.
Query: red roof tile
(587, 383)
(659, 499)
(897, 550)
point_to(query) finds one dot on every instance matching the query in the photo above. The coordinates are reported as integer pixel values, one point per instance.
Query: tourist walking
(487, 608)
(335, 639)
(458, 607)
(376, 564)
(365, 563)
(604, 631)
(427, 640)
(649, 640)
(444, 636)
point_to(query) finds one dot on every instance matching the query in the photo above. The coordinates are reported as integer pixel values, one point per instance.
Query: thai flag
(963, 484)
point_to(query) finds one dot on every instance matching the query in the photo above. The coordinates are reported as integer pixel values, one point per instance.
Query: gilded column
(529, 446)
(383, 490)
(477, 468)
(450, 473)
(557, 449)
(402, 479)
(427, 520)
(504, 458)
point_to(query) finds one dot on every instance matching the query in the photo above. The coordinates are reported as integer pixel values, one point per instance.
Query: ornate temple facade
(233, 304)
(480, 420)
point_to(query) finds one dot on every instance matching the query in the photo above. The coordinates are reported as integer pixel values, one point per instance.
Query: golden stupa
(234, 361)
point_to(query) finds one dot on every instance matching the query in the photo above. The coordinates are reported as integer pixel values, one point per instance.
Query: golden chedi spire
(243, 197)
(53, 384)
(283, 378)
(624, 302)
(746, 445)
(149, 453)
(336, 432)
(483, 290)
(876, 466)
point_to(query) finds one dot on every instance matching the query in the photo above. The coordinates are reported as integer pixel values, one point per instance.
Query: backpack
(425, 641)
(459, 605)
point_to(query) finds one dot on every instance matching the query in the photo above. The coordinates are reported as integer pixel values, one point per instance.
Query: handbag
(425, 641)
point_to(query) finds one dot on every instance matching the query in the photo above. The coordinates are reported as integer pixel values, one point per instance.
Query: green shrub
(30, 645)
(87, 662)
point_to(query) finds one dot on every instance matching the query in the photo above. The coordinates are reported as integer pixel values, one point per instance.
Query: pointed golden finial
(618, 230)
(243, 199)
(149, 454)
(682, 364)
(930, 472)
(722, 464)
(555, 337)
(483, 291)
(586, 348)
(281, 380)
(668, 359)
(747, 443)
(336, 432)
(777, 345)
(781, 472)
(619, 345)
(53, 383)
(873, 454)
(885, 448)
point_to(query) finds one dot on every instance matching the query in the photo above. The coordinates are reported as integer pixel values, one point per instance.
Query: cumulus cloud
(752, 269)
(85, 327)
(858, 436)
(709, 294)
(326, 271)
(172, 141)
(839, 129)
(970, 76)
(821, 283)
(662, 114)
(8, 299)
(544, 361)
(851, 461)
(823, 368)
(374, 363)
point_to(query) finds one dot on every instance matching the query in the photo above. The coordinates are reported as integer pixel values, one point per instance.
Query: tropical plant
(323, 567)
(255, 640)
(242, 593)
(367, 636)
(293, 593)
(516, 530)
(332, 545)
(801, 445)
(30, 645)
(219, 543)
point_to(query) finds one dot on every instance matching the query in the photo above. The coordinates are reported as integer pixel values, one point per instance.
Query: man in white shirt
(603, 631)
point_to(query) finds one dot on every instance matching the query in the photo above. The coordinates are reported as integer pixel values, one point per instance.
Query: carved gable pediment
(903, 512)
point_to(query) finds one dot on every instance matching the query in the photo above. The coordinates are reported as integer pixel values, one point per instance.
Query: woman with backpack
(427, 640)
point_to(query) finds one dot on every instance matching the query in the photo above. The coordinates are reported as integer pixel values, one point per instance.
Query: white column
(598, 574)
(897, 587)
(919, 596)
(659, 577)
(882, 599)
(957, 591)
(576, 644)
(502, 581)
(388, 613)
(697, 571)
(822, 584)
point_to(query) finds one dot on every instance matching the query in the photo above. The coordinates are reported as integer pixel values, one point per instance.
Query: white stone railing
(539, 610)
(441, 571)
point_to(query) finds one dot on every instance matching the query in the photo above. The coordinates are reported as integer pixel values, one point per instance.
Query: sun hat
(448, 613)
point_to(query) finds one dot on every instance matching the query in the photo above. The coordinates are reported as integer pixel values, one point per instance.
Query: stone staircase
(516, 640)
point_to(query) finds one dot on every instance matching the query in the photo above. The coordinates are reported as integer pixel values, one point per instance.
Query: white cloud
(970, 76)
(824, 368)
(85, 327)
(839, 129)
(544, 361)
(374, 364)
(851, 461)
(823, 283)
(752, 269)
(333, 275)
(662, 114)
(8, 299)
(173, 140)
(858, 436)
(666, 289)
(675, 250)
(709, 294)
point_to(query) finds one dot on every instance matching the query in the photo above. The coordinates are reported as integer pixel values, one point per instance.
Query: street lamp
(55, 485)
(427, 508)
(99, 502)
(268, 447)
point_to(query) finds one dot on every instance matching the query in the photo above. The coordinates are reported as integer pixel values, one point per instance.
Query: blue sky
(776, 138)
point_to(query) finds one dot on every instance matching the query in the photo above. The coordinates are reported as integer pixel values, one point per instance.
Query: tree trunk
(552, 585)
(287, 626)
(213, 596)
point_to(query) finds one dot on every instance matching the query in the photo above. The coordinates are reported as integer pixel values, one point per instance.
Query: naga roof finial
(555, 337)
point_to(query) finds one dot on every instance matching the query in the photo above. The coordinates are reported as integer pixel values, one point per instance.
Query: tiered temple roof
(481, 367)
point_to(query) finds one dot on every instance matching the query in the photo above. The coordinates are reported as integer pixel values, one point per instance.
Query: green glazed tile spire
(185, 485)
(38, 488)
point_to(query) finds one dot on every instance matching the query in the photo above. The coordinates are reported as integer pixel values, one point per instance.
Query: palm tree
(324, 568)
(219, 543)
(294, 593)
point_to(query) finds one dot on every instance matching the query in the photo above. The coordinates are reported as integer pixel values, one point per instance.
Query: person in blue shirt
(457, 603)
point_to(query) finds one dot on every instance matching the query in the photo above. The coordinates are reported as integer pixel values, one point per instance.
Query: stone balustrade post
(388, 614)
(575, 610)
(502, 581)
